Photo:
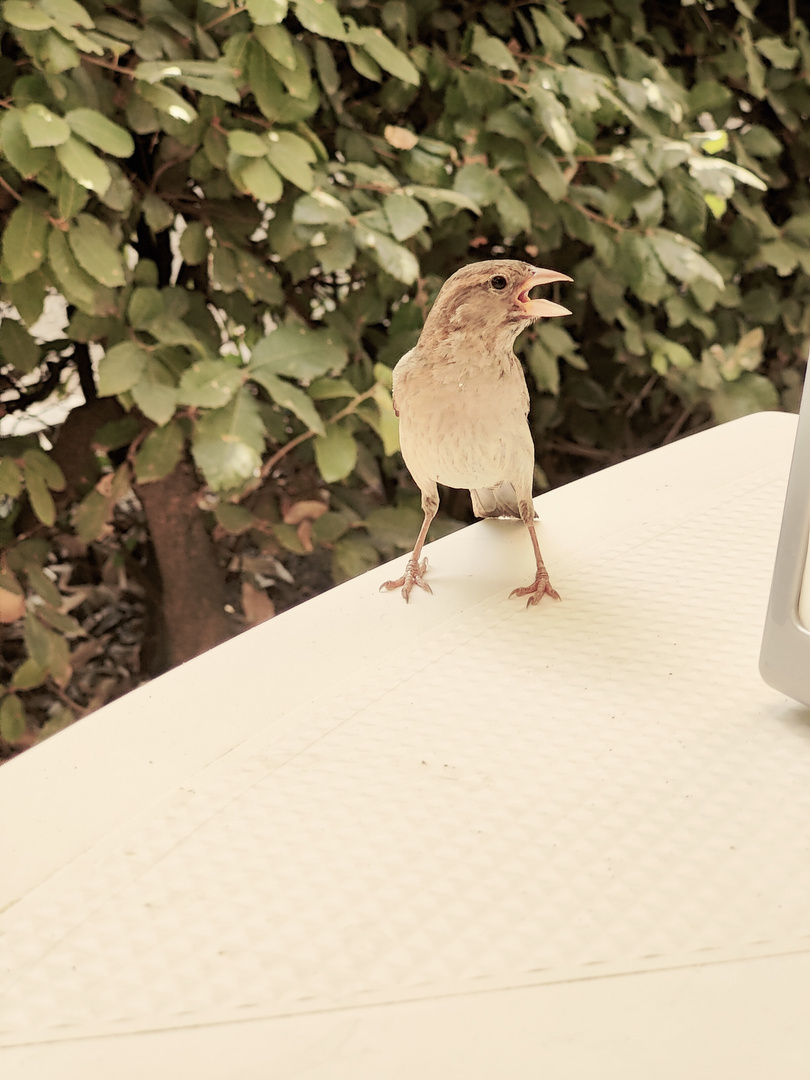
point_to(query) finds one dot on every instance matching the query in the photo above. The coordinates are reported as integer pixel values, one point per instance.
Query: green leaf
(327, 68)
(760, 142)
(95, 251)
(224, 269)
(159, 454)
(479, 184)
(24, 239)
(42, 127)
(16, 148)
(750, 393)
(335, 453)
(545, 169)
(405, 215)
(194, 244)
(395, 259)
(86, 168)
(72, 197)
(145, 305)
(159, 215)
(298, 80)
(76, 286)
(169, 330)
(26, 16)
(545, 367)
(492, 50)
(258, 280)
(116, 434)
(299, 353)
(276, 41)
(781, 255)
(262, 181)
(37, 461)
(395, 526)
(320, 17)
(28, 676)
(290, 155)
(247, 143)
(12, 713)
(320, 208)
(156, 400)
(779, 54)
(234, 519)
(330, 388)
(266, 12)
(264, 83)
(43, 586)
(513, 212)
(387, 427)
(290, 397)
(28, 296)
(363, 64)
(98, 130)
(353, 555)
(228, 443)
(121, 368)
(41, 499)
(442, 195)
(91, 516)
(67, 13)
(11, 480)
(682, 259)
(59, 55)
(650, 208)
(387, 55)
(17, 347)
(209, 384)
(552, 115)
(168, 101)
(754, 66)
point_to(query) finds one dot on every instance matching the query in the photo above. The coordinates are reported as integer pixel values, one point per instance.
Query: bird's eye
(498, 282)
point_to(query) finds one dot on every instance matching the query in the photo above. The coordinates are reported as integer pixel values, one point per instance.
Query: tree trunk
(193, 583)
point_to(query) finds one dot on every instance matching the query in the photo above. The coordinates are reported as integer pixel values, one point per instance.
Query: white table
(449, 839)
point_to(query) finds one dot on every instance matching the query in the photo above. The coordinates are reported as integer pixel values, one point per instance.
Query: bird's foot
(540, 587)
(414, 575)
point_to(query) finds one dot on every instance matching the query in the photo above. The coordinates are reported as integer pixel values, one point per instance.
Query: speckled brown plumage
(462, 403)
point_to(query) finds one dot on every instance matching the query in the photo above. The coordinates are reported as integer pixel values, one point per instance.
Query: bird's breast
(462, 427)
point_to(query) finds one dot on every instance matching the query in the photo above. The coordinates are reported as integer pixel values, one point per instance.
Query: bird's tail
(500, 501)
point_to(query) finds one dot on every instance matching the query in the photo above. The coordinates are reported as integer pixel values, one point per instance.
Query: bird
(462, 402)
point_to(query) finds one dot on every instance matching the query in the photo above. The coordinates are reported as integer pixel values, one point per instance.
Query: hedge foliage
(247, 208)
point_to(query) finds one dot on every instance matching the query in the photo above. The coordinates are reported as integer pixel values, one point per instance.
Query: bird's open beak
(542, 308)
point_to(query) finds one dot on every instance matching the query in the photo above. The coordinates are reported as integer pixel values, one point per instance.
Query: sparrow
(463, 405)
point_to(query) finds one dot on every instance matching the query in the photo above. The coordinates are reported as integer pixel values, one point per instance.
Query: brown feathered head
(491, 301)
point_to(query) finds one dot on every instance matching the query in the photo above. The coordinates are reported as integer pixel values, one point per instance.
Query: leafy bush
(247, 208)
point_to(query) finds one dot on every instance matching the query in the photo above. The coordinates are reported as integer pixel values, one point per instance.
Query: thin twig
(10, 189)
(594, 216)
(106, 64)
(635, 404)
(234, 9)
(676, 427)
(271, 463)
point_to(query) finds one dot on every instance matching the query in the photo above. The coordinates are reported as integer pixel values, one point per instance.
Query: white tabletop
(453, 838)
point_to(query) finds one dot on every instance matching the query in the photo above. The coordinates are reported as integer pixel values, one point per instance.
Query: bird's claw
(540, 587)
(414, 575)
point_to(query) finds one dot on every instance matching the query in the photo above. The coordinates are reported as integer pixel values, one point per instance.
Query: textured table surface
(453, 838)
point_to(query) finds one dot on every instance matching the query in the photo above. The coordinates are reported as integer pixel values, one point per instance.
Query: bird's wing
(402, 370)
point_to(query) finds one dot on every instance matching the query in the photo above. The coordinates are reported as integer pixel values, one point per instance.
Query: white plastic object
(785, 656)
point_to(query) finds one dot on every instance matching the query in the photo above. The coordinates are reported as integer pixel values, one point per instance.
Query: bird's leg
(541, 584)
(415, 570)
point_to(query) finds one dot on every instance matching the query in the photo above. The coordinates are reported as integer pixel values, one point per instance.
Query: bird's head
(492, 301)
